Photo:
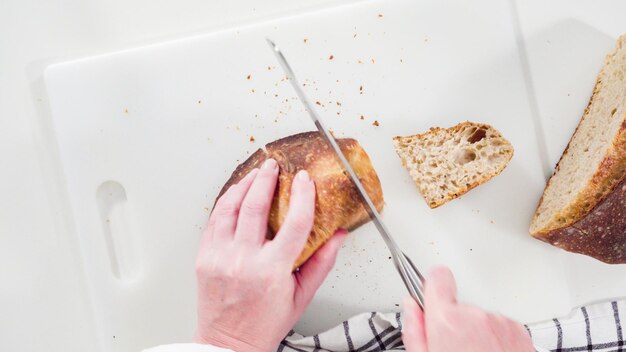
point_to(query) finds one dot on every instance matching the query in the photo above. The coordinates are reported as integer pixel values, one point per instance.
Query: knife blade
(409, 273)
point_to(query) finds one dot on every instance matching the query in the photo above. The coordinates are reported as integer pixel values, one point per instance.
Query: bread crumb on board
(375, 123)
(331, 57)
(362, 117)
(306, 40)
(126, 110)
(380, 15)
(252, 139)
(249, 76)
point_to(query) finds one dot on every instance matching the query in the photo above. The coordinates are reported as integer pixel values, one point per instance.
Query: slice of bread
(591, 168)
(447, 162)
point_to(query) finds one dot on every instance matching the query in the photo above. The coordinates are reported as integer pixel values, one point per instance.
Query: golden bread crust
(337, 204)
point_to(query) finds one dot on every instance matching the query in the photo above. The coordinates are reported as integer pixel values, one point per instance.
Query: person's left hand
(248, 296)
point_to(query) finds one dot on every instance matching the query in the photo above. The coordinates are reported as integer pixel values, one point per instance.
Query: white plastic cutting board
(148, 136)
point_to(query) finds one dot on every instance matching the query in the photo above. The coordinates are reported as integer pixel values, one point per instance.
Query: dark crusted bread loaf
(583, 208)
(337, 204)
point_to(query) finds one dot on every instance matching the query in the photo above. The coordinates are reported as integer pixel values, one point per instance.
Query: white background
(44, 304)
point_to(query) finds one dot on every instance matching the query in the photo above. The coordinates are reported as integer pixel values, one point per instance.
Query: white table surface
(44, 305)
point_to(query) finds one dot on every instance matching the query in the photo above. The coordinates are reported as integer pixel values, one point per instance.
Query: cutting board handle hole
(119, 237)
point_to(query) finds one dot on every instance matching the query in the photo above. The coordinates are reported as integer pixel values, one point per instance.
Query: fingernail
(303, 175)
(269, 164)
(341, 232)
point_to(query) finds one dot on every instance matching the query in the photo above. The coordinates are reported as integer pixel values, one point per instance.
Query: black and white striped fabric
(595, 327)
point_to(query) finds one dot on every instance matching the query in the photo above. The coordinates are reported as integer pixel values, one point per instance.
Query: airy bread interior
(587, 148)
(445, 163)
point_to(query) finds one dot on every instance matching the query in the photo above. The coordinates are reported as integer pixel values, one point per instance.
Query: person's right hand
(447, 325)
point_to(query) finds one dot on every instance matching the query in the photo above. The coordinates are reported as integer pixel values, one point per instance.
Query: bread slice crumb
(594, 161)
(447, 162)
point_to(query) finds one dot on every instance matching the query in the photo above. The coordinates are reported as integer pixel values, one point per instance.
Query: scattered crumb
(401, 60)
(269, 68)
(252, 90)
(361, 90)
(491, 221)
(381, 15)
(375, 123)
(362, 117)
(276, 95)
(331, 57)
(252, 139)
(249, 76)
(206, 209)
(126, 110)
(389, 258)
(359, 62)
(568, 94)
(397, 305)
(338, 104)
(199, 101)
(425, 39)
(373, 61)
(306, 40)
(318, 103)
(338, 113)
(354, 36)
(337, 81)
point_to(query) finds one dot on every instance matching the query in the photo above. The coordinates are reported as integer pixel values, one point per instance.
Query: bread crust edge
(611, 172)
(601, 234)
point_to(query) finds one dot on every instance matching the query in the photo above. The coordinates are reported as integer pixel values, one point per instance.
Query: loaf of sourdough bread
(337, 203)
(583, 207)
